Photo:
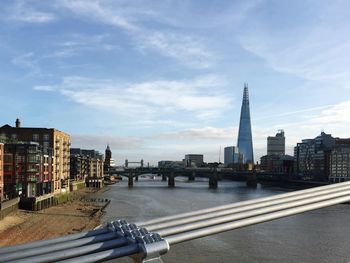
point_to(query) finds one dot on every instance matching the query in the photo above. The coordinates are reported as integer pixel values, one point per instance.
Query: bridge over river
(252, 178)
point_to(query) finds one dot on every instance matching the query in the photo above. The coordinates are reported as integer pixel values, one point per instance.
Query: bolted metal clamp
(152, 245)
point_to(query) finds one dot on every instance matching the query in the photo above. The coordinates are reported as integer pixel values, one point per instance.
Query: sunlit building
(27, 170)
(47, 138)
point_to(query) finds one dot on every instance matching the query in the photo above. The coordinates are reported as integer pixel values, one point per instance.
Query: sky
(160, 79)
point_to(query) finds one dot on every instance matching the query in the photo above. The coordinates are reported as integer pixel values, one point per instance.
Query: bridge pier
(213, 180)
(252, 181)
(136, 178)
(171, 179)
(192, 176)
(131, 181)
(163, 176)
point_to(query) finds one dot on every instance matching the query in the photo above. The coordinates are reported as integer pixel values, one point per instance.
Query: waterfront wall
(8, 207)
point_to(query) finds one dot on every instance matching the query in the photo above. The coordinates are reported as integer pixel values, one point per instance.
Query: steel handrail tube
(51, 241)
(155, 227)
(73, 252)
(105, 255)
(238, 204)
(190, 235)
(224, 219)
(59, 246)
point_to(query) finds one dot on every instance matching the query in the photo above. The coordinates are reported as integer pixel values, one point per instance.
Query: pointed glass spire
(245, 141)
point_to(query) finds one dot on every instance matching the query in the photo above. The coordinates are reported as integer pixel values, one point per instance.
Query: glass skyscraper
(245, 141)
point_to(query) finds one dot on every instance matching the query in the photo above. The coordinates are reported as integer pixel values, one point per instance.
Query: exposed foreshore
(82, 212)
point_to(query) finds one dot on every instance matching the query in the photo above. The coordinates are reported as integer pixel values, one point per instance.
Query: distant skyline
(160, 79)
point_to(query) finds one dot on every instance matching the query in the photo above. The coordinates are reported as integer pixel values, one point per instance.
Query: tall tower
(108, 156)
(245, 141)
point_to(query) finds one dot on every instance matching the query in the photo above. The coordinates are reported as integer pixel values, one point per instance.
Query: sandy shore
(78, 214)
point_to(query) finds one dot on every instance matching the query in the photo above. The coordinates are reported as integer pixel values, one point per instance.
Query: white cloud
(315, 49)
(44, 88)
(88, 141)
(205, 133)
(202, 96)
(22, 11)
(189, 50)
(77, 43)
(27, 61)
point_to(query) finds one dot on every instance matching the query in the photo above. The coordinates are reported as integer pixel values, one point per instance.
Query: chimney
(18, 123)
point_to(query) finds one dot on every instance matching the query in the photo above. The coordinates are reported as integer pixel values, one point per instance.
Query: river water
(318, 236)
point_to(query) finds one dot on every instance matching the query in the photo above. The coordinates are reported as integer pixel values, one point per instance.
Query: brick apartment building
(86, 164)
(27, 170)
(47, 138)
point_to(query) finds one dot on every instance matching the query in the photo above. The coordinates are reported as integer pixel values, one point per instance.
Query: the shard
(245, 141)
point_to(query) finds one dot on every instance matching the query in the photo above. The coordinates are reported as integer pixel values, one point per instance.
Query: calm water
(318, 236)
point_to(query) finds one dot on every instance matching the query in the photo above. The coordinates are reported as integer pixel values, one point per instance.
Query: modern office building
(232, 156)
(1, 172)
(47, 138)
(276, 145)
(28, 170)
(245, 141)
(321, 158)
(312, 157)
(339, 165)
(193, 160)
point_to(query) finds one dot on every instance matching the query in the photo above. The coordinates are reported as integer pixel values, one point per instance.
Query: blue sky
(160, 79)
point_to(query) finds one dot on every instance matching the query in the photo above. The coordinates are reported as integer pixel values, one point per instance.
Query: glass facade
(245, 141)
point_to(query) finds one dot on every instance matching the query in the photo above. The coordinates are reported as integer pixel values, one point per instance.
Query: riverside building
(28, 170)
(47, 138)
(86, 164)
(323, 158)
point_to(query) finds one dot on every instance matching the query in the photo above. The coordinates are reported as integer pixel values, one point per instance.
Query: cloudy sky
(159, 79)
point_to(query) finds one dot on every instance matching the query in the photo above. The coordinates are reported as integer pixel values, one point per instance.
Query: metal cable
(178, 238)
(219, 220)
(215, 214)
(239, 204)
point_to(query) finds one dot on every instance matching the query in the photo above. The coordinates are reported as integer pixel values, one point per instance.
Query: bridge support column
(131, 180)
(171, 179)
(192, 176)
(136, 178)
(252, 181)
(163, 176)
(213, 180)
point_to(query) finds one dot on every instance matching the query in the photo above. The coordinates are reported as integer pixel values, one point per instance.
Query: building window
(46, 137)
(35, 137)
(45, 144)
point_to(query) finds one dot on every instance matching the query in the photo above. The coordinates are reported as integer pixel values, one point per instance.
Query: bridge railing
(150, 239)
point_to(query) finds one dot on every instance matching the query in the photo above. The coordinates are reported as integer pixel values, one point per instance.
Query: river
(318, 236)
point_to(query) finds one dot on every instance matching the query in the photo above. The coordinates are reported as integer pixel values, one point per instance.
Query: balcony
(32, 178)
